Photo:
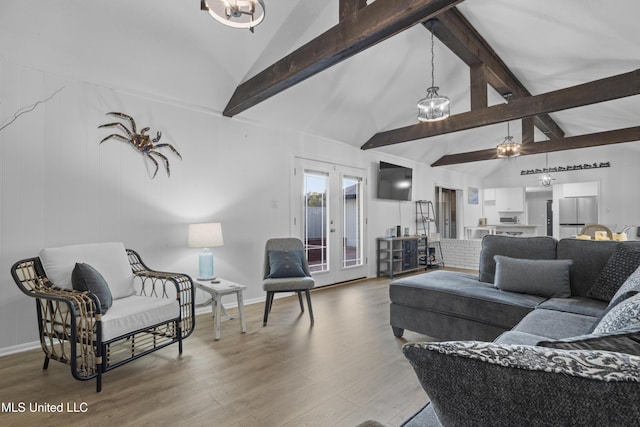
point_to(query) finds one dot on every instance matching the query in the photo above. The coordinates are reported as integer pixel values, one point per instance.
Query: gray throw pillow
(629, 288)
(285, 264)
(626, 340)
(622, 262)
(545, 278)
(632, 284)
(623, 315)
(86, 278)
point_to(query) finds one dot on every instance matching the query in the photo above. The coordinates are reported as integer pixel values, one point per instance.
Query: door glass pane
(352, 223)
(316, 214)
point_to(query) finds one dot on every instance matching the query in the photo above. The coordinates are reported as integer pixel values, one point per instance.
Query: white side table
(217, 291)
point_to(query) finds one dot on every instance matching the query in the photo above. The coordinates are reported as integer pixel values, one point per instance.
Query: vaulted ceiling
(548, 45)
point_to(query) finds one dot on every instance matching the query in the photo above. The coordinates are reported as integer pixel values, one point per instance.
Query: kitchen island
(522, 230)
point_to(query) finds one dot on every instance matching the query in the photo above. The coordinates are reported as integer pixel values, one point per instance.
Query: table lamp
(206, 235)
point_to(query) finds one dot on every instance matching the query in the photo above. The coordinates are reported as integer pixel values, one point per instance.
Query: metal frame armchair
(71, 324)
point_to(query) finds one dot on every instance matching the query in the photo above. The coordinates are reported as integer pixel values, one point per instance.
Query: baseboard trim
(20, 348)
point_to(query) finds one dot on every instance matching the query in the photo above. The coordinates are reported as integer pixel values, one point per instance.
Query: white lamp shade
(206, 235)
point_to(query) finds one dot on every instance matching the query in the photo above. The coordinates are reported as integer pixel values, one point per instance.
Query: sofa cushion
(626, 340)
(624, 261)
(136, 312)
(589, 258)
(546, 278)
(86, 278)
(457, 294)
(542, 247)
(517, 337)
(555, 324)
(623, 315)
(110, 259)
(285, 264)
(579, 305)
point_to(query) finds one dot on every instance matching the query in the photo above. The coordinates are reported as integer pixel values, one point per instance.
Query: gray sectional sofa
(530, 340)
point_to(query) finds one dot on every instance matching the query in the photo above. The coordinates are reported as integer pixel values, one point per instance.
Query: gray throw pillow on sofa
(86, 278)
(626, 340)
(545, 278)
(629, 288)
(632, 284)
(622, 263)
(623, 315)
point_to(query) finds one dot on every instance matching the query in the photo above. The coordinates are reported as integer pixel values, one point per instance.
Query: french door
(329, 216)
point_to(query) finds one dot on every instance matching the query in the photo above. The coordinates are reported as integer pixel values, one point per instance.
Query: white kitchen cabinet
(510, 199)
(489, 195)
(580, 189)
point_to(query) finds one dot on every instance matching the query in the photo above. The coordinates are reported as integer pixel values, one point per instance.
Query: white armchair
(143, 311)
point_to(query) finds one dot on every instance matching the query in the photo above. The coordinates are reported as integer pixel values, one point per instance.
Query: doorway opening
(447, 211)
(329, 200)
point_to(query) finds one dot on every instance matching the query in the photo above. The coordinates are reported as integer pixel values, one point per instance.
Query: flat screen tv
(394, 182)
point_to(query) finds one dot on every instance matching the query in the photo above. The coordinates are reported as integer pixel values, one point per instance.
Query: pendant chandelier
(546, 179)
(235, 13)
(508, 147)
(433, 106)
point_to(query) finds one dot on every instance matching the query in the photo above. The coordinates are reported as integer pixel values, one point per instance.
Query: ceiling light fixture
(546, 179)
(433, 106)
(235, 13)
(508, 147)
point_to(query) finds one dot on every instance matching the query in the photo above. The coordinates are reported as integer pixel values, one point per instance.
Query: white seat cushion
(109, 259)
(137, 312)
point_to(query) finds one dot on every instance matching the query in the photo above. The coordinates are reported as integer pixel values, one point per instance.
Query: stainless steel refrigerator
(575, 213)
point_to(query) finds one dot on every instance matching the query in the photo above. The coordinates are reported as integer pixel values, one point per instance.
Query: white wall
(60, 186)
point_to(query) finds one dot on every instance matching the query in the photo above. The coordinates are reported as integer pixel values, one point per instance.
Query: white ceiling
(173, 50)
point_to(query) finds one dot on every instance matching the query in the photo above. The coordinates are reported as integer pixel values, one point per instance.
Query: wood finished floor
(344, 370)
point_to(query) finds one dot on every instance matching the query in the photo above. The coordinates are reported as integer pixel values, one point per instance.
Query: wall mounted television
(394, 182)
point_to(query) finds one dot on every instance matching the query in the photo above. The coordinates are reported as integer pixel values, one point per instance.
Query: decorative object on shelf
(205, 236)
(235, 13)
(433, 106)
(567, 168)
(143, 143)
(28, 109)
(546, 179)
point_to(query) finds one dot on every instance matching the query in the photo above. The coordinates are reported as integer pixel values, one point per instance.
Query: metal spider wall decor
(140, 141)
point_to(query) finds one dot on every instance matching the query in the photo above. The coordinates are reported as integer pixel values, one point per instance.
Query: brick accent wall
(461, 253)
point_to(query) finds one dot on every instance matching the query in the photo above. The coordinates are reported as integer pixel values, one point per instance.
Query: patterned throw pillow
(624, 261)
(632, 284)
(629, 288)
(621, 316)
(626, 340)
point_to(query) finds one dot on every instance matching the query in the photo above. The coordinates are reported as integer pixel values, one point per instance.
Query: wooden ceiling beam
(478, 80)
(349, 7)
(570, 143)
(355, 33)
(527, 130)
(453, 29)
(607, 89)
